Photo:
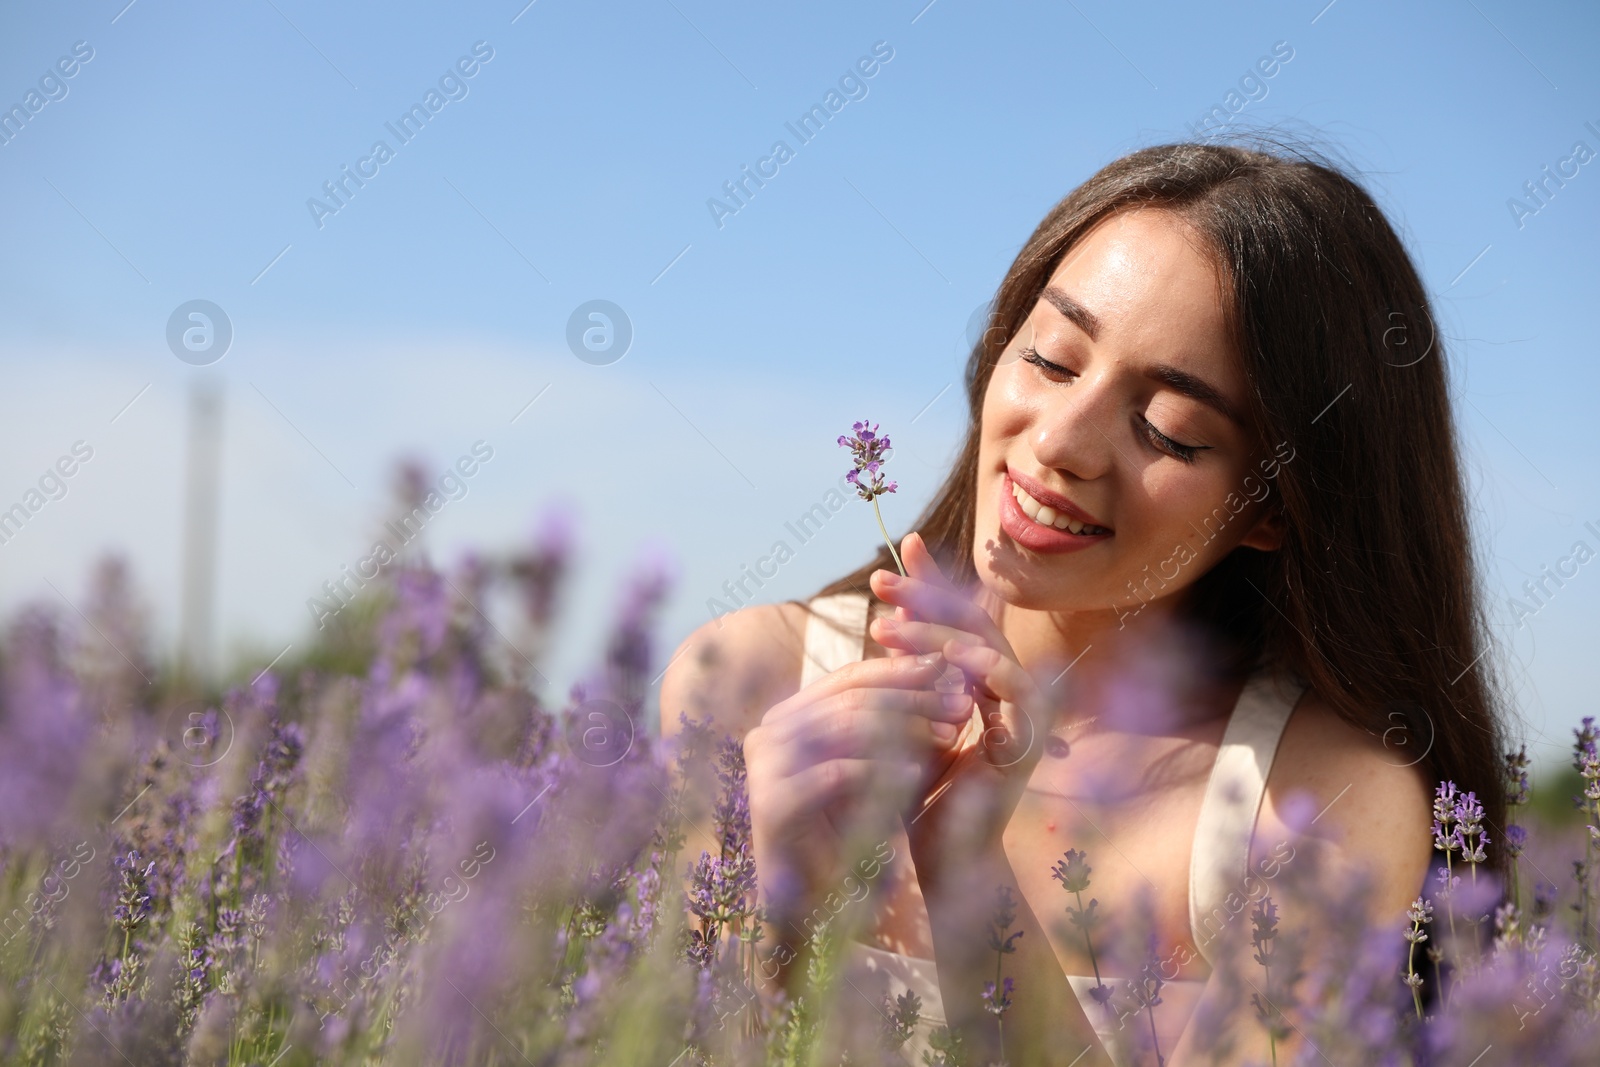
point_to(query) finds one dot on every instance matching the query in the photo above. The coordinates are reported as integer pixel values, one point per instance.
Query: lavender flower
(195, 964)
(1586, 737)
(629, 663)
(1470, 834)
(1072, 871)
(1517, 790)
(1445, 806)
(731, 817)
(43, 728)
(1447, 839)
(723, 889)
(1517, 795)
(900, 1018)
(1544, 897)
(133, 898)
(996, 1002)
(538, 575)
(1005, 915)
(871, 452)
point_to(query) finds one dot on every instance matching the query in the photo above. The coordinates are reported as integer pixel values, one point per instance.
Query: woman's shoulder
(1370, 797)
(735, 667)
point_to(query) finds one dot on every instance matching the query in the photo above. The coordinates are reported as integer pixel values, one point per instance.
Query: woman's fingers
(1022, 714)
(923, 638)
(927, 595)
(915, 724)
(867, 702)
(919, 599)
(809, 791)
(1006, 677)
(919, 562)
(886, 672)
(933, 600)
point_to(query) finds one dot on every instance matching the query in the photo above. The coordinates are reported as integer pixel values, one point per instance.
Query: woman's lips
(1032, 535)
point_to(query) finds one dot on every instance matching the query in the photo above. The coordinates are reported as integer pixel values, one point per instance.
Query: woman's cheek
(1172, 514)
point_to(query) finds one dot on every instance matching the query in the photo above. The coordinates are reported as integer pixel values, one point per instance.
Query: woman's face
(1111, 407)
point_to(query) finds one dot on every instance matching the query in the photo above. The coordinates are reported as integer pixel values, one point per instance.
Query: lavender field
(401, 850)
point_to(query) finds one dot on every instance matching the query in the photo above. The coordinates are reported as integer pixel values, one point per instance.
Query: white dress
(1219, 861)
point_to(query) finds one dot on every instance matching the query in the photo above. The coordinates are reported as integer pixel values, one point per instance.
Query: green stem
(1088, 943)
(1587, 938)
(1272, 1038)
(1450, 910)
(1516, 888)
(1411, 970)
(886, 538)
(1450, 907)
(999, 1020)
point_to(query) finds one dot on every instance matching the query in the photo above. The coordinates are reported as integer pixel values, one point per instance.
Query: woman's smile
(1036, 525)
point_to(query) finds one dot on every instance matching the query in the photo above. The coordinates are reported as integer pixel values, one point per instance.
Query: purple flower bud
(870, 452)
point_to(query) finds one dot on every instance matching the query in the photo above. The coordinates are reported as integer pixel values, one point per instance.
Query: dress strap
(1219, 866)
(836, 633)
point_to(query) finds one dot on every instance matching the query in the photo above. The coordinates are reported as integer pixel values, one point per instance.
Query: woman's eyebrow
(1075, 312)
(1195, 388)
(1182, 381)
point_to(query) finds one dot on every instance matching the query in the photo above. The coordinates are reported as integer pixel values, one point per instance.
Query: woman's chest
(1133, 819)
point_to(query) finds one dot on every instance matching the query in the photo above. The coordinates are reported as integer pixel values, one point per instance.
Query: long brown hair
(1372, 598)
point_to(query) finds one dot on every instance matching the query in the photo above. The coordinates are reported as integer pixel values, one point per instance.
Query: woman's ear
(1267, 534)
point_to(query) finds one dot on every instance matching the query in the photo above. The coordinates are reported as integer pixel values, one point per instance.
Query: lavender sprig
(1586, 761)
(1446, 805)
(871, 451)
(1517, 795)
(1281, 963)
(133, 896)
(1147, 990)
(900, 1017)
(1420, 914)
(1470, 833)
(1072, 871)
(997, 994)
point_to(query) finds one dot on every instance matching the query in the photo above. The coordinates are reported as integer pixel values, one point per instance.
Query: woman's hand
(984, 774)
(866, 733)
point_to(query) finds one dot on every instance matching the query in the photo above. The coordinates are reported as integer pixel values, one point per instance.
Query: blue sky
(576, 165)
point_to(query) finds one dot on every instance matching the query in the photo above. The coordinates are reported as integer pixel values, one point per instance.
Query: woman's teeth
(1047, 516)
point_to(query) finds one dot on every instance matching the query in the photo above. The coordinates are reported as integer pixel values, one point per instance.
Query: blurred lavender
(996, 995)
(1586, 761)
(1072, 871)
(1518, 793)
(1281, 966)
(401, 848)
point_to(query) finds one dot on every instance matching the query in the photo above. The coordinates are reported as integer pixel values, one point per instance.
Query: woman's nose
(1076, 432)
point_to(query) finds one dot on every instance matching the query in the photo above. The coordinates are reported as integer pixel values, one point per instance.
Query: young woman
(1203, 558)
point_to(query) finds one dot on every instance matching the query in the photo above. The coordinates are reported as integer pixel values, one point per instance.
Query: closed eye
(1176, 449)
(1181, 451)
(1031, 355)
